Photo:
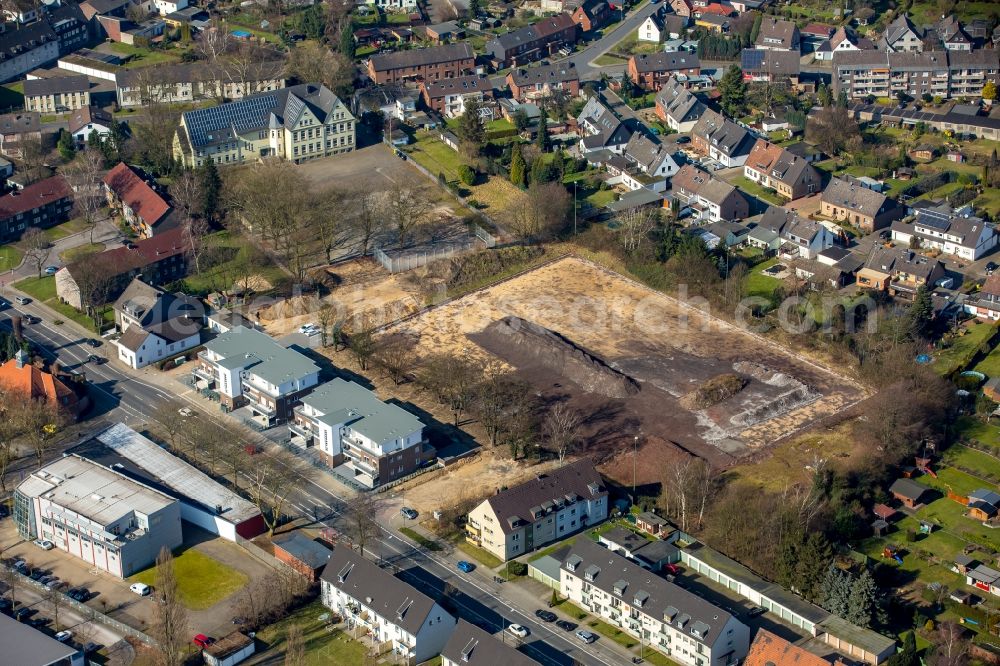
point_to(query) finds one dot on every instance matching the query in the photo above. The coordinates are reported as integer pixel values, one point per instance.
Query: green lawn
(74, 253)
(989, 201)
(424, 542)
(44, 290)
(990, 366)
(220, 276)
(143, 57)
(753, 188)
(202, 581)
(480, 555)
(41, 289)
(10, 257)
(762, 285)
(982, 464)
(434, 155)
(68, 228)
(12, 96)
(551, 549)
(323, 644)
(963, 347)
(607, 59)
(987, 434)
(252, 25)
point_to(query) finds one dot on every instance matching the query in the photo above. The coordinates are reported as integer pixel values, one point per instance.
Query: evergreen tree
(733, 91)
(814, 557)
(842, 99)
(470, 128)
(347, 41)
(474, 7)
(66, 145)
(211, 187)
(836, 590)
(517, 167)
(921, 311)
(542, 138)
(863, 604)
(907, 656)
(94, 140)
(755, 31)
(824, 95)
(520, 120)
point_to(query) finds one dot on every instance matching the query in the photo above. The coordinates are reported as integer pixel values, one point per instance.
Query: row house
(601, 128)
(471, 646)
(899, 271)
(650, 72)
(532, 42)
(59, 30)
(778, 35)
(770, 66)
(378, 442)
(430, 64)
(298, 124)
(397, 617)
(58, 94)
(797, 237)
(986, 304)
(248, 368)
(141, 206)
(449, 96)
(678, 107)
(721, 139)
(787, 174)
(16, 129)
(955, 232)
(668, 618)
(538, 83)
(848, 201)
(548, 508)
(155, 324)
(158, 260)
(844, 39)
(945, 74)
(681, 7)
(40, 205)
(901, 36)
(712, 199)
(194, 82)
(592, 15)
(644, 164)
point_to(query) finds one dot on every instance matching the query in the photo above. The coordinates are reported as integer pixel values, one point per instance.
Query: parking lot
(371, 168)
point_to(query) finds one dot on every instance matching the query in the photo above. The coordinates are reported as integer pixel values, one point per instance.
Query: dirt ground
(668, 348)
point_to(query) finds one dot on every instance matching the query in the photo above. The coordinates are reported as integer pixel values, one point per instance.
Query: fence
(418, 258)
(484, 235)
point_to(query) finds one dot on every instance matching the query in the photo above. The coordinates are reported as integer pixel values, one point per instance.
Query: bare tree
(95, 277)
(452, 380)
(561, 428)
(169, 624)
(407, 207)
(32, 157)
(267, 598)
(951, 647)
(187, 195)
(84, 176)
(325, 319)
(250, 260)
(634, 227)
(361, 513)
(329, 222)
(56, 600)
(395, 355)
(312, 62)
(170, 423)
(195, 230)
(362, 344)
(35, 245)
(13, 582)
(295, 648)
(273, 476)
(39, 421)
(366, 219)
(214, 42)
(542, 212)
(688, 487)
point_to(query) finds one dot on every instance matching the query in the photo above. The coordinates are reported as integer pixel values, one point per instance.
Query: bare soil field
(591, 327)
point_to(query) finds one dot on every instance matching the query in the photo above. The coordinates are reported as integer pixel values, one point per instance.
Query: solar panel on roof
(242, 115)
(752, 58)
(934, 219)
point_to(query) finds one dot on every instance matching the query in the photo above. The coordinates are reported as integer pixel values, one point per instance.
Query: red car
(672, 569)
(201, 640)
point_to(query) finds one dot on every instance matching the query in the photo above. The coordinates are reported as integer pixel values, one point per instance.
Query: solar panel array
(752, 59)
(206, 125)
(934, 219)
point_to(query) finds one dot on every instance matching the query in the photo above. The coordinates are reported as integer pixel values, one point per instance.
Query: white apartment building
(955, 232)
(396, 615)
(669, 619)
(471, 646)
(93, 512)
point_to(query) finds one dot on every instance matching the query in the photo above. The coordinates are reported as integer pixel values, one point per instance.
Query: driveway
(584, 59)
(105, 232)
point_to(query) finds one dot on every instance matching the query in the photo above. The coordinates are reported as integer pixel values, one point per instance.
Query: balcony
(360, 464)
(301, 431)
(204, 375)
(261, 408)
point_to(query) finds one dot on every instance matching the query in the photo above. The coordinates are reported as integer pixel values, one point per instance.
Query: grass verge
(202, 581)
(484, 557)
(43, 289)
(10, 257)
(323, 644)
(74, 253)
(424, 542)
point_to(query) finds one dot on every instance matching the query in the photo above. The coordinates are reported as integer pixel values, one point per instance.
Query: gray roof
(645, 152)
(666, 62)
(471, 645)
(458, 85)
(664, 600)
(576, 480)
(529, 34)
(279, 108)
(678, 102)
(558, 73)
(777, 29)
(156, 309)
(189, 72)
(56, 85)
(765, 61)
(848, 195)
(621, 537)
(731, 139)
(16, 42)
(26, 646)
(343, 402)
(302, 548)
(929, 60)
(656, 552)
(391, 598)
(20, 123)
(246, 347)
(635, 199)
(87, 115)
(422, 57)
(901, 259)
(908, 488)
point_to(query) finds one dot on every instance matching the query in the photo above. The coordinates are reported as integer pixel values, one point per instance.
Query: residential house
(901, 36)
(533, 42)
(298, 124)
(712, 199)
(128, 32)
(814, 34)
(983, 504)
(97, 514)
(672, 620)
(182, 83)
(196, 17)
(601, 128)
(713, 22)
(157, 260)
(155, 324)
(442, 33)
(774, 167)
(983, 578)
(92, 8)
(680, 7)
(18, 128)
(378, 442)
(859, 206)
(471, 646)
(955, 232)
(42, 204)
(430, 64)
(844, 39)
(247, 367)
(677, 106)
(799, 236)
(721, 139)
(591, 15)
(771, 66)
(778, 35)
(58, 94)
(393, 100)
(449, 96)
(768, 649)
(821, 272)
(395, 6)
(951, 34)
(660, 27)
(388, 609)
(650, 72)
(84, 122)
(535, 83)
(986, 304)
(727, 234)
(164, 7)
(644, 164)
(142, 207)
(545, 509)
(650, 523)
(24, 11)
(305, 555)
(900, 271)
(945, 74)
(909, 492)
(19, 377)
(59, 31)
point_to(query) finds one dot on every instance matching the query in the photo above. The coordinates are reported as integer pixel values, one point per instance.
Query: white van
(141, 589)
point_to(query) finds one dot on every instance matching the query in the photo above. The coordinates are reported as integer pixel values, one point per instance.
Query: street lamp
(635, 455)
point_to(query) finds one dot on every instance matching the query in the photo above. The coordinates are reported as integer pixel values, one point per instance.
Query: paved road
(106, 231)
(584, 59)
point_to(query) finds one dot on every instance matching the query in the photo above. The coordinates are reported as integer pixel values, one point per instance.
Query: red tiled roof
(34, 196)
(143, 253)
(817, 29)
(770, 650)
(716, 8)
(136, 193)
(883, 511)
(34, 383)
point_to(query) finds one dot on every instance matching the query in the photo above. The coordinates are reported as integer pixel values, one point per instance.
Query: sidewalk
(105, 230)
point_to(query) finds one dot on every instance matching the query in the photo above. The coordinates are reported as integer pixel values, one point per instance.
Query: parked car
(465, 567)
(22, 300)
(3, 303)
(945, 283)
(78, 594)
(408, 513)
(185, 412)
(51, 270)
(586, 636)
(518, 630)
(683, 139)
(545, 616)
(64, 636)
(672, 569)
(309, 329)
(141, 589)
(6, 605)
(44, 544)
(201, 640)
(94, 343)
(96, 360)
(21, 614)
(566, 625)
(44, 580)
(31, 319)
(91, 647)
(37, 573)
(55, 583)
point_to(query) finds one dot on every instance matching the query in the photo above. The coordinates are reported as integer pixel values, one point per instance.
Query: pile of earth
(290, 307)
(523, 343)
